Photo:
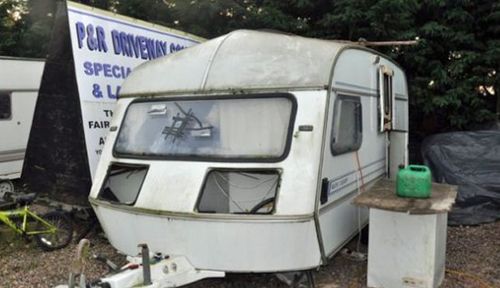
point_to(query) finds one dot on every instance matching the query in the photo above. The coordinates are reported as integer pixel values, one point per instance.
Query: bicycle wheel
(61, 237)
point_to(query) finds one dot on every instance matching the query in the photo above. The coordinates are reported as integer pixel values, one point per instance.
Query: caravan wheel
(6, 187)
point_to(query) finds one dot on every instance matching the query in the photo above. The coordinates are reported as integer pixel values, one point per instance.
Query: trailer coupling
(162, 273)
(154, 271)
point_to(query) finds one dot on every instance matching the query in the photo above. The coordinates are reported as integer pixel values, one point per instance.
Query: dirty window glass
(239, 192)
(5, 106)
(213, 128)
(347, 130)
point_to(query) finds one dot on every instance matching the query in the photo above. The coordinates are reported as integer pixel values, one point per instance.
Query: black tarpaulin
(470, 160)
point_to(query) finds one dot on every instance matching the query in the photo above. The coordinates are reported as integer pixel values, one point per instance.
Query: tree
(447, 69)
(26, 27)
(488, 32)
(452, 73)
(12, 25)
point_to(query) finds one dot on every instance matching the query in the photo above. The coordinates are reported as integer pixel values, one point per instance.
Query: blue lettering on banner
(100, 39)
(127, 44)
(106, 70)
(96, 91)
(175, 47)
(80, 33)
(113, 94)
(136, 46)
(94, 36)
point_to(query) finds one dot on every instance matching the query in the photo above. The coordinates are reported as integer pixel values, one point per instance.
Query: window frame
(283, 156)
(278, 171)
(8, 95)
(98, 196)
(386, 98)
(359, 141)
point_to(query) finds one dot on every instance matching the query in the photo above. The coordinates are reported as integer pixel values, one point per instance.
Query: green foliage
(25, 27)
(456, 57)
(153, 10)
(12, 24)
(452, 72)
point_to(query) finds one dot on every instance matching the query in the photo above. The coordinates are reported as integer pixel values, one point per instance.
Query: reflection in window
(347, 129)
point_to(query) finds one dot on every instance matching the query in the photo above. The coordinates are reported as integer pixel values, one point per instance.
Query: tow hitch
(147, 270)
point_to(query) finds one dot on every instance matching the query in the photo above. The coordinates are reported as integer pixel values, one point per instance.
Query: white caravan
(243, 154)
(19, 83)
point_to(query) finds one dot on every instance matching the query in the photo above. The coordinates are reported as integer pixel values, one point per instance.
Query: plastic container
(414, 181)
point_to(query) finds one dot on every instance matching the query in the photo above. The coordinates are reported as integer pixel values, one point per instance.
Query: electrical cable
(358, 243)
(358, 163)
(360, 190)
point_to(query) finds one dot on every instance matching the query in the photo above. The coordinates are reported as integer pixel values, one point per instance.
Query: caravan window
(5, 106)
(346, 128)
(385, 98)
(253, 128)
(239, 192)
(123, 183)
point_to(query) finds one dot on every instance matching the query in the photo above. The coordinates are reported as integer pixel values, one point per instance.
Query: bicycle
(52, 231)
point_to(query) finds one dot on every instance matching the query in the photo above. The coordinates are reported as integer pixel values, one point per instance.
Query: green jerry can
(414, 181)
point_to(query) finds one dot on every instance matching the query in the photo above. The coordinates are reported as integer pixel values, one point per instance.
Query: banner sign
(106, 47)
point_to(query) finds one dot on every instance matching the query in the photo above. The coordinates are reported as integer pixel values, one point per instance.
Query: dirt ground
(473, 260)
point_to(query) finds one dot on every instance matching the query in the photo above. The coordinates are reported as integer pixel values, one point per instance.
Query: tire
(63, 235)
(6, 187)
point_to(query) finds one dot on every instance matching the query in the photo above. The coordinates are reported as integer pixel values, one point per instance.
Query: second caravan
(19, 83)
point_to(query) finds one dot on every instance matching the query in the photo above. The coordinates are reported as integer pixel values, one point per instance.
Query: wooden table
(383, 196)
(407, 236)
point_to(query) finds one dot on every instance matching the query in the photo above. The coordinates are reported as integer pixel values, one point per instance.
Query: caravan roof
(243, 58)
(20, 73)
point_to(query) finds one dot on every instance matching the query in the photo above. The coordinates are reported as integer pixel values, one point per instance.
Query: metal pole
(146, 265)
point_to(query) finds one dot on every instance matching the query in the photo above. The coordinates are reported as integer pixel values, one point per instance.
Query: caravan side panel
(15, 132)
(355, 78)
(19, 81)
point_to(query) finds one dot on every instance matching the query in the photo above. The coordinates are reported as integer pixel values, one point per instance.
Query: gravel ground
(26, 265)
(473, 258)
